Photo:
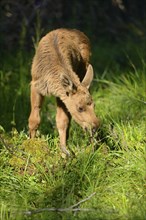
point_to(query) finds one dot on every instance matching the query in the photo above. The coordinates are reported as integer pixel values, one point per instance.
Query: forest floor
(105, 179)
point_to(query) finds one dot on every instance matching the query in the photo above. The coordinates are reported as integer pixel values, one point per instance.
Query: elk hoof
(65, 151)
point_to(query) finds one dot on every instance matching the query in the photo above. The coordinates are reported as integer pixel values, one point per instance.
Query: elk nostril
(95, 126)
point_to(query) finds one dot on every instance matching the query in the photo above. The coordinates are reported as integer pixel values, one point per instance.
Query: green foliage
(14, 89)
(35, 175)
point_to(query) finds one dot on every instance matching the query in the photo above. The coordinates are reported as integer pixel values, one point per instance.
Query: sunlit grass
(33, 173)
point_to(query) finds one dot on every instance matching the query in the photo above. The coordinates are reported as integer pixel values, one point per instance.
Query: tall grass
(33, 174)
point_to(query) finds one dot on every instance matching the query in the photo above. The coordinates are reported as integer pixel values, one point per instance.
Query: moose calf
(61, 68)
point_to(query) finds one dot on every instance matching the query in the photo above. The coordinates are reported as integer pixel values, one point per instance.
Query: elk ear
(68, 85)
(88, 77)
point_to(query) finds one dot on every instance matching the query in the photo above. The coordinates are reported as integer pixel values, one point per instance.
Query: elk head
(79, 101)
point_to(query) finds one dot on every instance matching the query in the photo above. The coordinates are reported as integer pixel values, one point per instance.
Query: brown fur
(61, 68)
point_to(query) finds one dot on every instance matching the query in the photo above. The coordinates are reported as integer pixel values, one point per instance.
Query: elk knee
(62, 123)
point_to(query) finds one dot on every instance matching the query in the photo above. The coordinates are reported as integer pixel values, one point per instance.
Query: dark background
(111, 20)
(116, 28)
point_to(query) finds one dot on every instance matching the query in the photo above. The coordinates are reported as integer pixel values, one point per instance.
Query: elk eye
(80, 109)
(89, 103)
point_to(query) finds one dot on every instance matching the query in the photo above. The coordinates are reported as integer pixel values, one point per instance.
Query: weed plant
(35, 175)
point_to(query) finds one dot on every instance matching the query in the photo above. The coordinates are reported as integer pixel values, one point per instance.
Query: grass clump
(35, 177)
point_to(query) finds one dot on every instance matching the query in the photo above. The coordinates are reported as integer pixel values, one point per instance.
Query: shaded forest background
(116, 28)
(112, 20)
(34, 175)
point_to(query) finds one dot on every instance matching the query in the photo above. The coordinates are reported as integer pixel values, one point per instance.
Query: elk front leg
(34, 118)
(63, 121)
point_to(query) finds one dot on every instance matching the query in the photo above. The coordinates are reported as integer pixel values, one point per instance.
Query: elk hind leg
(34, 118)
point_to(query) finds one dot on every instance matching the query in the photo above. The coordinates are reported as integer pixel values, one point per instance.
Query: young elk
(61, 68)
